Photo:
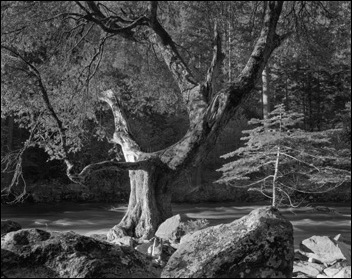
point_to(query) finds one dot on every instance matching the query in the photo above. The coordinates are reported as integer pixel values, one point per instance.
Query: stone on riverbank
(259, 244)
(67, 255)
(171, 228)
(323, 249)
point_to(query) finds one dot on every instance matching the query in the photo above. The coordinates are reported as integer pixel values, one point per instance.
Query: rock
(322, 276)
(345, 247)
(9, 226)
(343, 239)
(186, 238)
(115, 232)
(299, 255)
(144, 248)
(344, 273)
(99, 236)
(43, 254)
(170, 228)
(331, 271)
(310, 269)
(259, 244)
(124, 241)
(323, 249)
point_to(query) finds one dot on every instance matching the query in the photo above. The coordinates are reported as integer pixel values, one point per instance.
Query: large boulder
(43, 254)
(259, 244)
(323, 249)
(9, 226)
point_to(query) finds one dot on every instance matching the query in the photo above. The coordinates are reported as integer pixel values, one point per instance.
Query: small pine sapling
(279, 159)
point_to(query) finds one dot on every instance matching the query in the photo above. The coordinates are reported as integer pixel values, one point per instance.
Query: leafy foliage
(280, 157)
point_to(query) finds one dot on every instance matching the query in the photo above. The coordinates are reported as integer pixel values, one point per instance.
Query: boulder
(114, 233)
(322, 248)
(344, 273)
(170, 229)
(331, 271)
(259, 244)
(307, 268)
(43, 254)
(9, 226)
(99, 236)
(124, 241)
(345, 246)
(144, 248)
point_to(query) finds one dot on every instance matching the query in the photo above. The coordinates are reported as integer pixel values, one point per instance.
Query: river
(91, 218)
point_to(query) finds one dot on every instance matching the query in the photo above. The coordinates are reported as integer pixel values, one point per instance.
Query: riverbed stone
(170, 229)
(322, 248)
(345, 246)
(144, 248)
(124, 241)
(344, 273)
(331, 271)
(310, 269)
(9, 226)
(259, 244)
(45, 254)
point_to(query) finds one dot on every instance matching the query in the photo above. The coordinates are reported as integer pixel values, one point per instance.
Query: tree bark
(209, 112)
(266, 92)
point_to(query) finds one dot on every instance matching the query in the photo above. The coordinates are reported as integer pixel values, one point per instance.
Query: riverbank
(95, 218)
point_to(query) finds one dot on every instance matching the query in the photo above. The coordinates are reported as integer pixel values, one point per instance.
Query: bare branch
(18, 174)
(88, 170)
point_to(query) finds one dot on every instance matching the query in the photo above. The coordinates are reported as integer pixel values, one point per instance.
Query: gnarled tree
(209, 110)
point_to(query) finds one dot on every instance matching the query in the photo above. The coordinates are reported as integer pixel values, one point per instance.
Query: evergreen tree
(279, 158)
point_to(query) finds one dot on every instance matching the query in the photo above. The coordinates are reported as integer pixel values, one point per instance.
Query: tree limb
(122, 135)
(215, 66)
(88, 170)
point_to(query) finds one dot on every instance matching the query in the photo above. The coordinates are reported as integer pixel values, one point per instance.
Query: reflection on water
(99, 218)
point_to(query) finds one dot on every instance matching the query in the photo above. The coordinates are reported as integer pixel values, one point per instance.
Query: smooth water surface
(91, 218)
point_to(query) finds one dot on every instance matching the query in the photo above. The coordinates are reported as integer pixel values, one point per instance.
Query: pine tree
(279, 159)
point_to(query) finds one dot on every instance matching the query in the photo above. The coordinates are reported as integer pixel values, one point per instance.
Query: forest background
(310, 73)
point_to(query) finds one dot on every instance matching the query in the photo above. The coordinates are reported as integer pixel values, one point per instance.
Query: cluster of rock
(258, 245)
(323, 257)
(41, 254)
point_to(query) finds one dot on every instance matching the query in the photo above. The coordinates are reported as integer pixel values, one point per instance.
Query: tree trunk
(266, 92)
(149, 204)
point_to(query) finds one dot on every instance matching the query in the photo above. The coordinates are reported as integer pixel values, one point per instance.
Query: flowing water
(91, 218)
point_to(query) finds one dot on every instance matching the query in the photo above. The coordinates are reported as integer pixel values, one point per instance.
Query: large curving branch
(122, 135)
(91, 168)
